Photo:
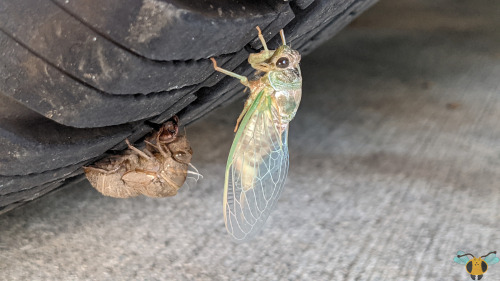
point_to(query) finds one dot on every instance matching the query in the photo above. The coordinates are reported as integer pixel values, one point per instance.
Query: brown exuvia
(157, 171)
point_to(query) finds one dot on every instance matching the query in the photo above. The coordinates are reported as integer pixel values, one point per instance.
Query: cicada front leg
(243, 79)
(136, 150)
(245, 82)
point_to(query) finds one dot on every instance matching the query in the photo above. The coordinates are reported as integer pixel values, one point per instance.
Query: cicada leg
(282, 34)
(242, 78)
(152, 145)
(243, 81)
(136, 150)
(248, 103)
(149, 173)
(89, 168)
(111, 164)
(261, 37)
(161, 148)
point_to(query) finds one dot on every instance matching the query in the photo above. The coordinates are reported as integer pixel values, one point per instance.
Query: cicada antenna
(459, 256)
(494, 252)
(282, 34)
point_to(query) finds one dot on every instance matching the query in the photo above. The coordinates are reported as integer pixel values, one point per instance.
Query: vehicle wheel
(78, 77)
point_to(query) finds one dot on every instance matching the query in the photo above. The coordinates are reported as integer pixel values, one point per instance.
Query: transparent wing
(256, 171)
(491, 259)
(461, 260)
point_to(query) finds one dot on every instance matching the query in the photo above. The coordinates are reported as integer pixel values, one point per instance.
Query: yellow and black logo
(476, 266)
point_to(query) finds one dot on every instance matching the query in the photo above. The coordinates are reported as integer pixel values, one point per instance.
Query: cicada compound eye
(282, 62)
(183, 156)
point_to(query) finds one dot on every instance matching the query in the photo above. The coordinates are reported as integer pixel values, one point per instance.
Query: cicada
(257, 165)
(157, 171)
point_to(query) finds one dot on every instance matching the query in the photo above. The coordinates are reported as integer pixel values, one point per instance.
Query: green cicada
(257, 165)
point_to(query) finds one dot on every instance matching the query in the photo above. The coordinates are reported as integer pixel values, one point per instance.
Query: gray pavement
(395, 157)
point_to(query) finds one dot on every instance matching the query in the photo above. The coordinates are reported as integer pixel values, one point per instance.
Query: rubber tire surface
(78, 77)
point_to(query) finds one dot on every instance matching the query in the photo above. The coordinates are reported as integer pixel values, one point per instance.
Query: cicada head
(275, 60)
(169, 130)
(181, 150)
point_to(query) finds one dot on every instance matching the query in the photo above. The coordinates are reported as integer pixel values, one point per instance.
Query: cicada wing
(256, 171)
(491, 259)
(461, 260)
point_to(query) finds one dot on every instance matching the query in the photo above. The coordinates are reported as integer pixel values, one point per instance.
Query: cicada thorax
(288, 103)
(165, 172)
(145, 176)
(175, 167)
(287, 93)
(284, 105)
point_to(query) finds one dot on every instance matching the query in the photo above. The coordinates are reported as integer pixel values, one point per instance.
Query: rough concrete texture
(395, 157)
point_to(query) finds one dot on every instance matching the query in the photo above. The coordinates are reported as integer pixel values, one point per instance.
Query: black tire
(78, 77)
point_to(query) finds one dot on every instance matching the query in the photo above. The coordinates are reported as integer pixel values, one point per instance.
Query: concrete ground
(395, 166)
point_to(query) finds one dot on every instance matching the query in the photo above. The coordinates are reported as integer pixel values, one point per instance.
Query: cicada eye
(183, 156)
(282, 62)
